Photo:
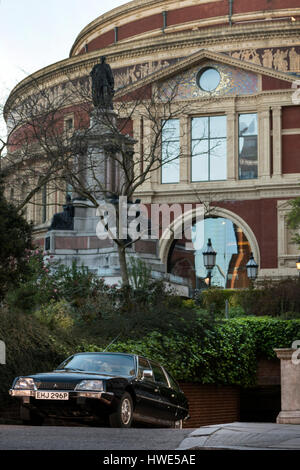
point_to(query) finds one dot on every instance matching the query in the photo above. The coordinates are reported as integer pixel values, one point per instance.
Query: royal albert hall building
(237, 63)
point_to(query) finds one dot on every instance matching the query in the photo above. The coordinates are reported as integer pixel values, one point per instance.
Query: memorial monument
(73, 232)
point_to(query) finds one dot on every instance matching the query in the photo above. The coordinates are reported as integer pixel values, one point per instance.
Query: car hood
(72, 376)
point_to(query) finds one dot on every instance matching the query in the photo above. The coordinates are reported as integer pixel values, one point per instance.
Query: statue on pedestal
(102, 85)
(64, 220)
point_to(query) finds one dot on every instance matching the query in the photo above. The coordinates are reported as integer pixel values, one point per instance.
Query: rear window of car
(172, 381)
(159, 375)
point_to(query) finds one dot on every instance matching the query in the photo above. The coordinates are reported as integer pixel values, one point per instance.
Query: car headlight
(96, 385)
(25, 383)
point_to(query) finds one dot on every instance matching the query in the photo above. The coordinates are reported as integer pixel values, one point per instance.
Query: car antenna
(112, 342)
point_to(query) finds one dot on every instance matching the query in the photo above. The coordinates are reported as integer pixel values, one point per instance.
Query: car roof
(105, 352)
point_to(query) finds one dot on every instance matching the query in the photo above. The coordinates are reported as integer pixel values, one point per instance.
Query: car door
(180, 403)
(148, 402)
(168, 407)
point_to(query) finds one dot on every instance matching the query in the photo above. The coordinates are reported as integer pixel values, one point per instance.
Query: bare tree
(42, 147)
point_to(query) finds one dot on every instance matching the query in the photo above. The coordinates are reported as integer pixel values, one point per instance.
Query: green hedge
(30, 347)
(271, 298)
(226, 354)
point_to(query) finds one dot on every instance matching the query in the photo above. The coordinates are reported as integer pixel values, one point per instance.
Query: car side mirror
(147, 374)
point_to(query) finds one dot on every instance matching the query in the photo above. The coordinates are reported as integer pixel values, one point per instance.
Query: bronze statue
(64, 220)
(102, 85)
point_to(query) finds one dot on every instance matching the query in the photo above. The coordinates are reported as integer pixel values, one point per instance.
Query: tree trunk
(123, 265)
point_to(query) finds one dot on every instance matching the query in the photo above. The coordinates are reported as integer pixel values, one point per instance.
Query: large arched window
(233, 252)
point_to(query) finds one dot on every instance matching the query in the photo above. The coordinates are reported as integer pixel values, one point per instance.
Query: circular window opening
(208, 79)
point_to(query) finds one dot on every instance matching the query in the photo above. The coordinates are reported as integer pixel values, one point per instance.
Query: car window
(143, 365)
(102, 363)
(172, 381)
(159, 374)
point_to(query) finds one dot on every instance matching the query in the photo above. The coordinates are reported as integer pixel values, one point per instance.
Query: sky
(37, 33)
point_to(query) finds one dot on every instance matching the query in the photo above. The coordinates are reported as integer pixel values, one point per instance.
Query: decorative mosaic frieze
(233, 81)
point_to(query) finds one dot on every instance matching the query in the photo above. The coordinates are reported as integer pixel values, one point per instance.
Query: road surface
(17, 437)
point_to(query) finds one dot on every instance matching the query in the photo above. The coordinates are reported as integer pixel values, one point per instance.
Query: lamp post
(209, 260)
(298, 265)
(252, 268)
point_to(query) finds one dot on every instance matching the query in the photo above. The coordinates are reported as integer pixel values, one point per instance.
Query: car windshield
(108, 364)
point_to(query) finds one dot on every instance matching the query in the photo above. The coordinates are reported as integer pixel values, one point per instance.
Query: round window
(208, 79)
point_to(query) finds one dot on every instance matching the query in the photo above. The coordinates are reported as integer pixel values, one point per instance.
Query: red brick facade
(211, 404)
(218, 9)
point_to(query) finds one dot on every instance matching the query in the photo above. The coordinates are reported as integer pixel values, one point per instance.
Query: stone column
(232, 146)
(154, 176)
(277, 143)
(264, 163)
(185, 150)
(290, 387)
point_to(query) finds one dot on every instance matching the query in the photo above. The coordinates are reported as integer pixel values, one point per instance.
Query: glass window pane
(209, 79)
(159, 375)
(143, 365)
(170, 151)
(218, 126)
(172, 381)
(170, 129)
(200, 161)
(248, 124)
(248, 157)
(218, 160)
(170, 159)
(209, 150)
(248, 146)
(200, 128)
(170, 172)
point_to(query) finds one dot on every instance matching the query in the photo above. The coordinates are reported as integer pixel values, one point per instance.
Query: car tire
(177, 424)
(122, 418)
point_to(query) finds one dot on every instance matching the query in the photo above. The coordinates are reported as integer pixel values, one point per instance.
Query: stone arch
(167, 239)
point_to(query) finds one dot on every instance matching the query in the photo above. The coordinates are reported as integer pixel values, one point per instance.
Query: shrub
(226, 354)
(56, 315)
(16, 238)
(30, 347)
(214, 299)
(46, 281)
(273, 298)
(219, 352)
(139, 273)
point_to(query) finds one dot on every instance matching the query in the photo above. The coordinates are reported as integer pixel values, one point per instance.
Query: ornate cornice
(235, 191)
(136, 9)
(175, 44)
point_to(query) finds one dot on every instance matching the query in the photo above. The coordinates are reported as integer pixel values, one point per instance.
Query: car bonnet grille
(55, 385)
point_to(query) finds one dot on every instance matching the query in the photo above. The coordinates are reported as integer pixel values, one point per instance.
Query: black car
(112, 387)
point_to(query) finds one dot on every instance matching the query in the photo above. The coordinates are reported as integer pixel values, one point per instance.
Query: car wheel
(122, 418)
(177, 424)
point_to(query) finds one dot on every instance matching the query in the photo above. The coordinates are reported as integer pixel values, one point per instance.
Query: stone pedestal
(101, 168)
(290, 387)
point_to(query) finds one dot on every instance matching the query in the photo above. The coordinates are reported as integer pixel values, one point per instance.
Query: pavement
(244, 436)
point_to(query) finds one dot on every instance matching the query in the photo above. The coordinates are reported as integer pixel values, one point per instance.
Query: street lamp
(252, 268)
(298, 265)
(209, 260)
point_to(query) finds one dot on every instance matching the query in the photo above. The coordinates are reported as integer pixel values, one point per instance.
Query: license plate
(52, 395)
